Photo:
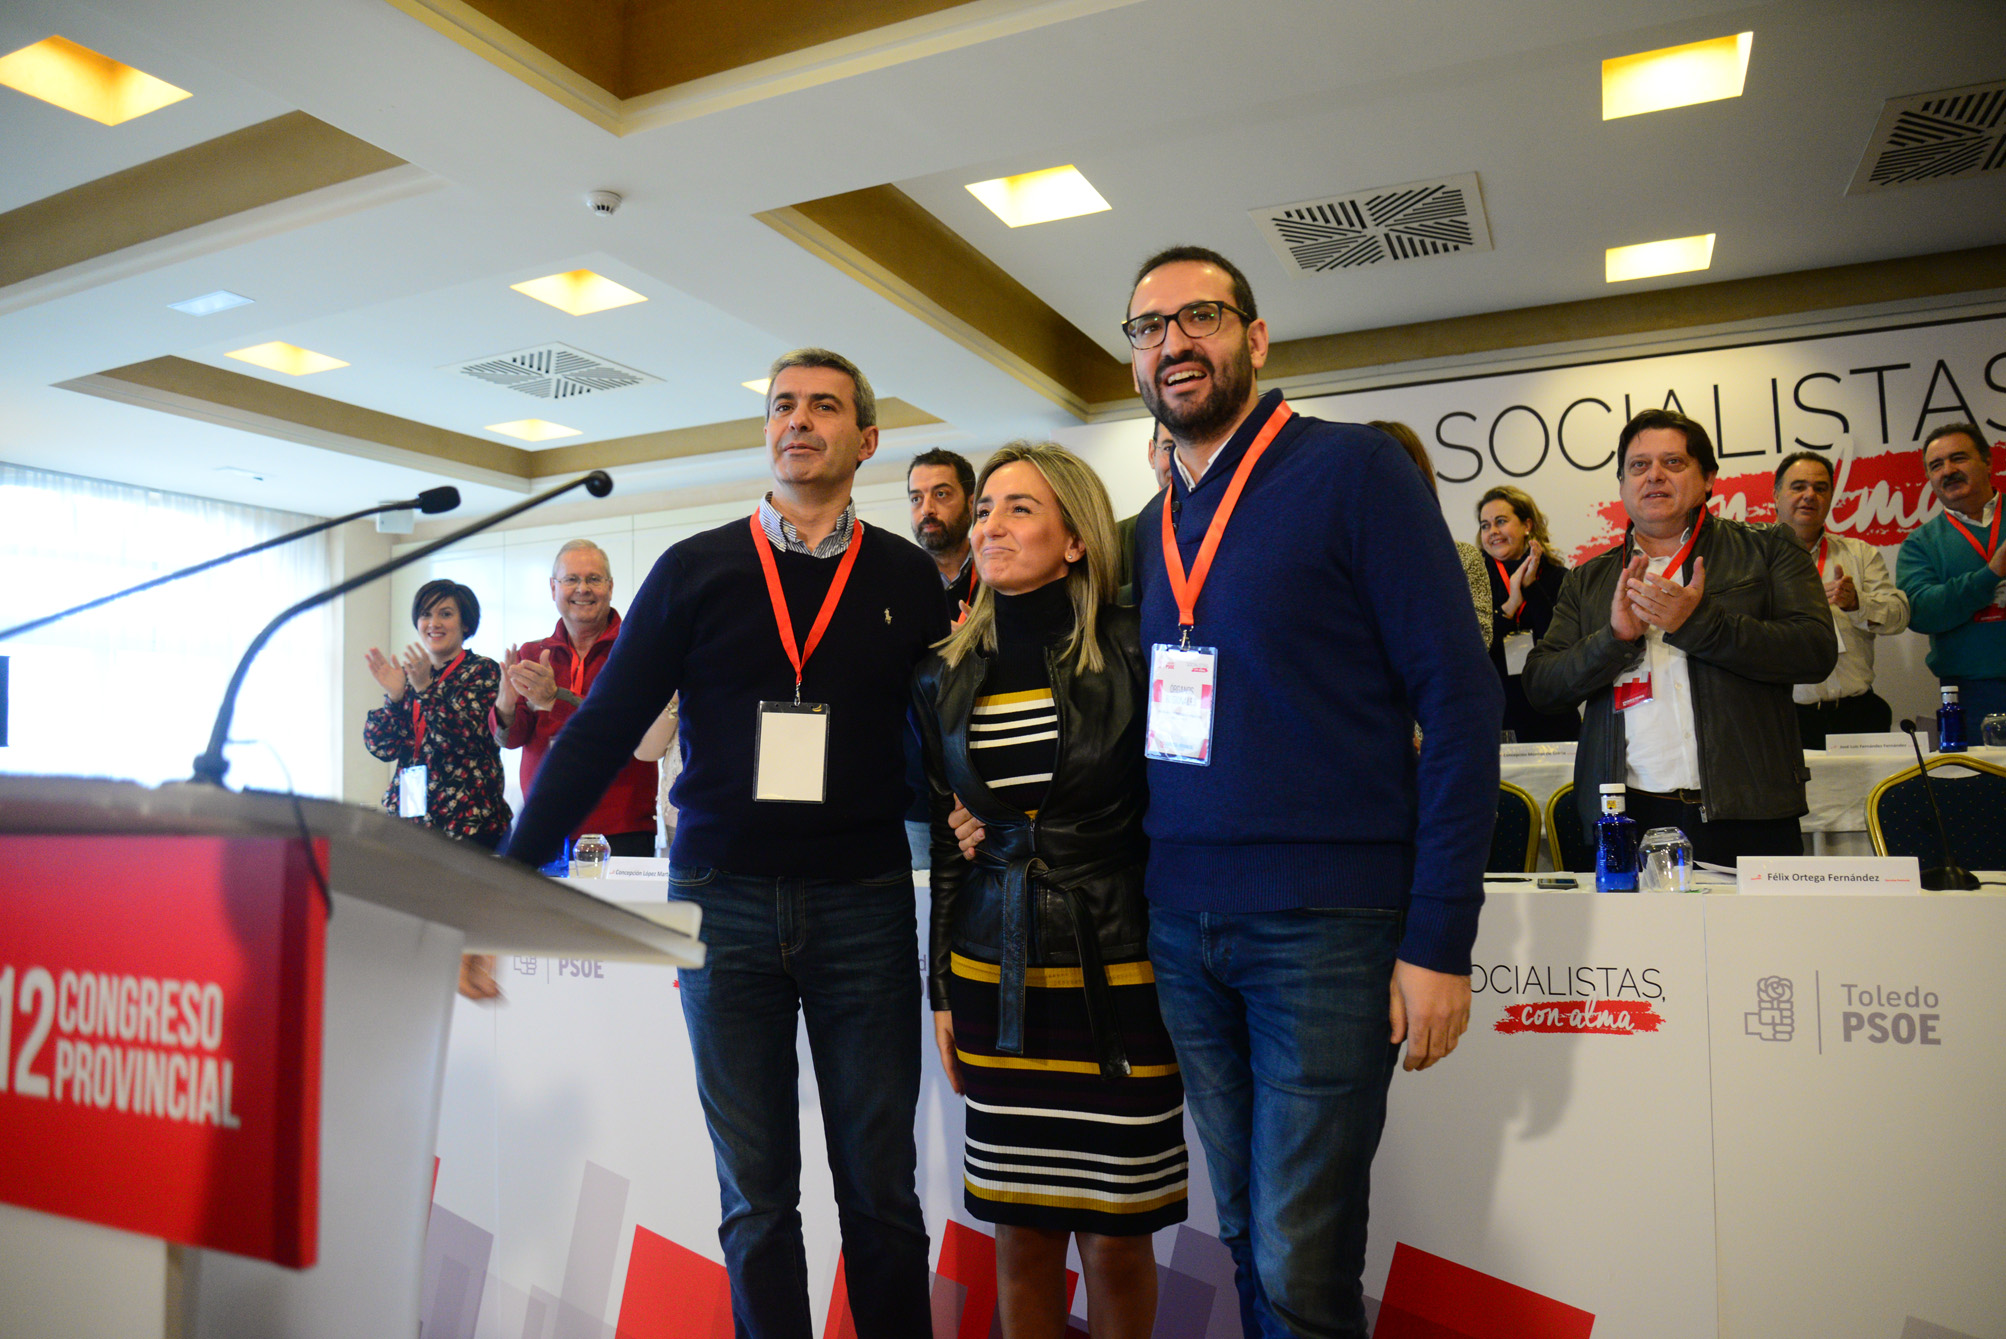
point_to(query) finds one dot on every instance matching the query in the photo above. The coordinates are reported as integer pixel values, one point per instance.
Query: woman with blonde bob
(1044, 1002)
(1524, 579)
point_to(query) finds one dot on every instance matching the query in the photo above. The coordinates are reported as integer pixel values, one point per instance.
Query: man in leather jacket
(1684, 641)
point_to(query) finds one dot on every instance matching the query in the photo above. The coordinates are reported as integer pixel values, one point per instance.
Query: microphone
(431, 501)
(1950, 874)
(210, 766)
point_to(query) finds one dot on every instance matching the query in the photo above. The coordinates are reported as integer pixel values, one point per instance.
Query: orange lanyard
(796, 653)
(1505, 577)
(1186, 591)
(418, 713)
(577, 673)
(1679, 558)
(1991, 544)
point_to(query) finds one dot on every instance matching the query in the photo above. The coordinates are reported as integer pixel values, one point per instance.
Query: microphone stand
(210, 766)
(431, 500)
(1950, 875)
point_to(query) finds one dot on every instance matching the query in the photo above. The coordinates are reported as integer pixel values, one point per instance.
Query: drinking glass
(1995, 730)
(1664, 862)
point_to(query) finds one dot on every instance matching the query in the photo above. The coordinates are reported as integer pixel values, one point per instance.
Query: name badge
(411, 792)
(1183, 684)
(791, 758)
(1634, 688)
(1518, 646)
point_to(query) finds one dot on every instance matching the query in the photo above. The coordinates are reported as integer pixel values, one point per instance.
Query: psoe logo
(1613, 1018)
(1775, 1016)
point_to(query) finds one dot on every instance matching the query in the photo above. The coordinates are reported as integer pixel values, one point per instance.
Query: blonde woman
(1044, 1003)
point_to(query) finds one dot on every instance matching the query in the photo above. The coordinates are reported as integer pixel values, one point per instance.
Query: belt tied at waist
(1019, 877)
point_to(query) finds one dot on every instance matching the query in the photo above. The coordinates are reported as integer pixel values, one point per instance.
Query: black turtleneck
(1013, 737)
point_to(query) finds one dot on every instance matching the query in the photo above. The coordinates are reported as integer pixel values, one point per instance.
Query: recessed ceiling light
(290, 359)
(79, 80)
(1039, 197)
(241, 472)
(1647, 260)
(532, 429)
(1675, 76)
(579, 292)
(759, 387)
(210, 303)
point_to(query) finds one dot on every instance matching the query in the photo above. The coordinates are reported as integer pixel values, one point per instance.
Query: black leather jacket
(1762, 624)
(1064, 889)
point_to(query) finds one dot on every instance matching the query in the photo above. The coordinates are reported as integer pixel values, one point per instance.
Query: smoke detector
(603, 203)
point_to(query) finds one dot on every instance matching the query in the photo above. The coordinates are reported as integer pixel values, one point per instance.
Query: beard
(944, 537)
(1218, 410)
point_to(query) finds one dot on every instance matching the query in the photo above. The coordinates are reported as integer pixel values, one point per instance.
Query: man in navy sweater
(1314, 881)
(792, 638)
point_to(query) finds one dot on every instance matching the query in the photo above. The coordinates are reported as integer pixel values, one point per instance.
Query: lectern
(224, 1022)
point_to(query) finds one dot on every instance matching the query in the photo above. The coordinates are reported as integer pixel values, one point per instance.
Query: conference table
(1836, 792)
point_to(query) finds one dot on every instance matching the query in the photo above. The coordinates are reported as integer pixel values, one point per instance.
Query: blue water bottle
(1950, 722)
(1615, 844)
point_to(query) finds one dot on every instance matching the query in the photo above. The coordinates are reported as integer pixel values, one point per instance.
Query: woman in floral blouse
(437, 716)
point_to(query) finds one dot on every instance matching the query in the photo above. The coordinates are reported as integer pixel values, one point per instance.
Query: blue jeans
(845, 955)
(1281, 1028)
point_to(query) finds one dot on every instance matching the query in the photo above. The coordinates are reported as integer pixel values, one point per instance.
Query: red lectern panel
(160, 1025)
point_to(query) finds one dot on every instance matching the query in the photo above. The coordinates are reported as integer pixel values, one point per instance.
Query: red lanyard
(1185, 591)
(577, 673)
(1991, 544)
(1823, 541)
(1505, 577)
(795, 653)
(418, 713)
(1679, 558)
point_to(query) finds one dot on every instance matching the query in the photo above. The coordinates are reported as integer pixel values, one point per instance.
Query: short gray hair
(581, 546)
(867, 400)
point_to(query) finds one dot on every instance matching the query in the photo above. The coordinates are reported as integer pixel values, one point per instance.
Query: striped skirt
(1051, 1144)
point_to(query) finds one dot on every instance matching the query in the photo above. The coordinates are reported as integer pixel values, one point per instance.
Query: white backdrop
(1866, 400)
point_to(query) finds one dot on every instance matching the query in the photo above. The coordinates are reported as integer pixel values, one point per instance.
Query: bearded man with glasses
(544, 682)
(1314, 883)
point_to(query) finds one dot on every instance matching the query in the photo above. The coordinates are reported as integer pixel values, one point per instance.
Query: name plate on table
(1826, 876)
(1563, 749)
(637, 867)
(1879, 743)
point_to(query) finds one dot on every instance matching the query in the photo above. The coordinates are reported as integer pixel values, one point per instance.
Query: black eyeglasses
(1196, 319)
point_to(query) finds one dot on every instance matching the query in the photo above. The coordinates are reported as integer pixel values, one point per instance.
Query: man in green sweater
(1953, 571)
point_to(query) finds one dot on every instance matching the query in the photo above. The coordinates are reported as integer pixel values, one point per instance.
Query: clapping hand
(533, 680)
(1839, 590)
(1661, 603)
(417, 667)
(1528, 572)
(1623, 620)
(385, 671)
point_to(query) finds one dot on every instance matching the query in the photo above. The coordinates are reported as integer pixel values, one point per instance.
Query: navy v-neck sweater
(702, 624)
(1342, 616)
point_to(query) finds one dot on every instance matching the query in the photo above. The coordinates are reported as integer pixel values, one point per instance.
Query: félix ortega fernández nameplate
(1855, 876)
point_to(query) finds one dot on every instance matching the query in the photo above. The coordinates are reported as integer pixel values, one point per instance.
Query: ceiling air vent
(552, 372)
(1376, 227)
(1959, 132)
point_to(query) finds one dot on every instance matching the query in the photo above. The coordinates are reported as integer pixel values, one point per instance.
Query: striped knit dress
(1050, 1143)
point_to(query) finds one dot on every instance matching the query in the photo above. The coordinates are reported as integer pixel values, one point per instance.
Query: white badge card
(1183, 686)
(1518, 646)
(791, 757)
(411, 792)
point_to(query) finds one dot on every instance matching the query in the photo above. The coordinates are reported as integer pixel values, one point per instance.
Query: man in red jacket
(543, 683)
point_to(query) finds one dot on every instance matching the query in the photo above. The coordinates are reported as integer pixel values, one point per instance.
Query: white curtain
(131, 690)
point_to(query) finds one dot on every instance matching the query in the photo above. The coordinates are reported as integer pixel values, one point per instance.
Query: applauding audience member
(1865, 605)
(1524, 576)
(1953, 571)
(1690, 631)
